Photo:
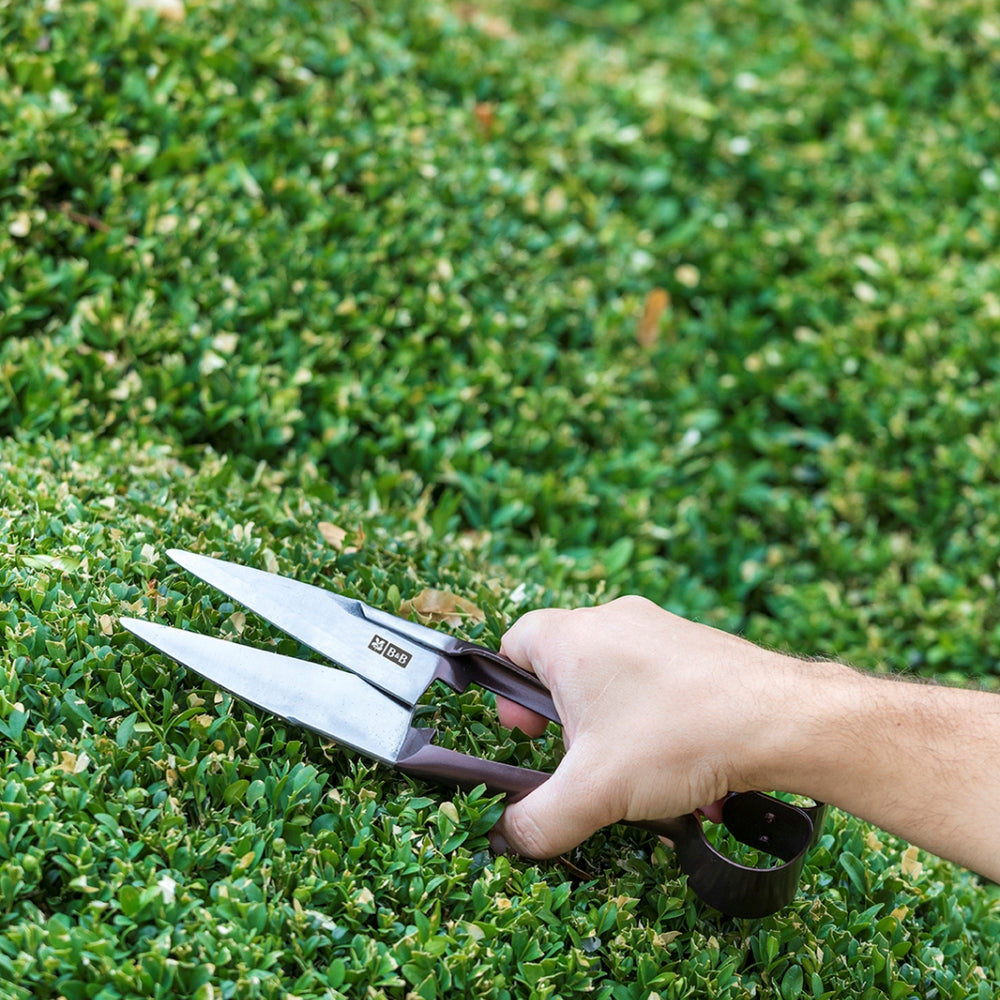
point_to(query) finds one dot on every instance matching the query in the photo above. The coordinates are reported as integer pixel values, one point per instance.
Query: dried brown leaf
(657, 303)
(332, 534)
(485, 114)
(432, 605)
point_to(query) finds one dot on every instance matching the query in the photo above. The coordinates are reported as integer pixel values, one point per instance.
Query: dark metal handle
(776, 828)
(482, 666)
(423, 759)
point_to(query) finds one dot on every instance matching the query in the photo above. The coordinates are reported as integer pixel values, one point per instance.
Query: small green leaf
(125, 729)
(255, 791)
(856, 871)
(129, 900)
(236, 791)
(618, 556)
(15, 724)
(791, 983)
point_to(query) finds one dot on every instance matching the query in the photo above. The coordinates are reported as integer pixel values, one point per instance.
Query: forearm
(919, 760)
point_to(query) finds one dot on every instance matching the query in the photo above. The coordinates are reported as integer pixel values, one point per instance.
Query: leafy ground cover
(533, 304)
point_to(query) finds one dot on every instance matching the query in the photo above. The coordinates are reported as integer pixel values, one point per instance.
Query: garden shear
(390, 663)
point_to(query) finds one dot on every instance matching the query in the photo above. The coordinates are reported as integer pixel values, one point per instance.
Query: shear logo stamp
(385, 648)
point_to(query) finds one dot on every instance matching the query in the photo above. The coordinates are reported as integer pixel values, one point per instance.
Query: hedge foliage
(535, 304)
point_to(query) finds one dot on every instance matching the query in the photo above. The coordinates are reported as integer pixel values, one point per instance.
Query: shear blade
(329, 701)
(332, 625)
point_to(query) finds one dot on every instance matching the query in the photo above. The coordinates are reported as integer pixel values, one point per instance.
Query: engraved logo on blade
(385, 648)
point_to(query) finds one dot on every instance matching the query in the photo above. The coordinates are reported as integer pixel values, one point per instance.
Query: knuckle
(526, 836)
(632, 604)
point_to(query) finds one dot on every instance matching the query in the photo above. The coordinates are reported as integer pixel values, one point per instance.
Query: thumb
(559, 814)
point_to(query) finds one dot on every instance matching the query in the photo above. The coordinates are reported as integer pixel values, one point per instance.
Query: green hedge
(288, 262)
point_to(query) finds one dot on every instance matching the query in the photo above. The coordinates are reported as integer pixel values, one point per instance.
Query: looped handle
(777, 828)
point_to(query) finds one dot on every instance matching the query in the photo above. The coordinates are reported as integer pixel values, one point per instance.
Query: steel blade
(333, 625)
(336, 704)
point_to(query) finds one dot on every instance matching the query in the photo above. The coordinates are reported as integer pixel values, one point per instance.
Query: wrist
(803, 738)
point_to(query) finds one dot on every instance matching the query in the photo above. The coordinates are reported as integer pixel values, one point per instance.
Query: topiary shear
(391, 662)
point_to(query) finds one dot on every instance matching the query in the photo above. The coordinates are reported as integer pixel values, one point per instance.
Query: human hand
(661, 716)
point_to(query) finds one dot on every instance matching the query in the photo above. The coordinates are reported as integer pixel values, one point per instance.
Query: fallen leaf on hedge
(485, 114)
(657, 303)
(72, 763)
(169, 10)
(332, 534)
(441, 606)
(910, 866)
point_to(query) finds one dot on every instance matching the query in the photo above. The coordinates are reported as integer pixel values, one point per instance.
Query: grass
(535, 304)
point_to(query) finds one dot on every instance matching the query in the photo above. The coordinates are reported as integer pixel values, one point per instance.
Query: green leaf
(791, 983)
(14, 724)
(125, 730)
(236, 791)
(255, 791)
(129, 899)
(855, 869)
(618, 556)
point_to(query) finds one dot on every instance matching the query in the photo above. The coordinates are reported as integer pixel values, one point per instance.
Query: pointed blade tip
(183, 556)
(144, 629)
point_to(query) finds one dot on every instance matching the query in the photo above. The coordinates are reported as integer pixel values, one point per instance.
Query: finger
(514, 716)
(561, 813)
(518, 645)
(713, 812)
(524, 642)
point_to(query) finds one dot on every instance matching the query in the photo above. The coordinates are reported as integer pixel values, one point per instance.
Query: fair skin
(663, 716)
